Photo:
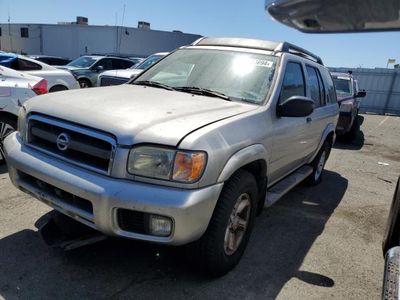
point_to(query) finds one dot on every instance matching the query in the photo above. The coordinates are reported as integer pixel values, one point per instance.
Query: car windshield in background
(343, 86)
(83, 62)
(151, 60)
(236, 75)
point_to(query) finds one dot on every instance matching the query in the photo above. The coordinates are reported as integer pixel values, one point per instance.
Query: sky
(235, 18)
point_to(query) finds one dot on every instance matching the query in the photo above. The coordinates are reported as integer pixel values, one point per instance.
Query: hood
(124, 73)
(137, 114)
(341, 98)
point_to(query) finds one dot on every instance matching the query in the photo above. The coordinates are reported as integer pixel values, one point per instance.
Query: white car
(15, 89)
(57, 80)
(116, 77)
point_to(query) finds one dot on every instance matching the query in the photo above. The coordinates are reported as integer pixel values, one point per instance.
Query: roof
(260, 45)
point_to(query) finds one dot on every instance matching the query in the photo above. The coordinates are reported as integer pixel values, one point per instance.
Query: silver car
(189, 152)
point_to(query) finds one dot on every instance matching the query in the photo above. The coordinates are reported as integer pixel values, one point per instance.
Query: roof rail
(296, 50)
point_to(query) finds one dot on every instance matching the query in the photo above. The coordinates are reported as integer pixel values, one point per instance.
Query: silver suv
(187, 153)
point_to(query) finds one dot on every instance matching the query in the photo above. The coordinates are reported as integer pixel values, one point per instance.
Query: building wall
(18, 44)
(382, 87)
(73, 40)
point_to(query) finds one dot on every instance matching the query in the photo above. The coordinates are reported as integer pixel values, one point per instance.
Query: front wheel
(7, 126)
(84, 83)
(221, 247)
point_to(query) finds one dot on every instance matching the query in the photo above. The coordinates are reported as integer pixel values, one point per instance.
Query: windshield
(238, 75)
(83, 62)
(343, 86)
(151, 60)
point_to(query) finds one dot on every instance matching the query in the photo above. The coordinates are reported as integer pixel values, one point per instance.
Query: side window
(26, 65)
(121, 64)
(321, 88)
(313, 84)
(330, 88)
(293, 82)
(105, 63)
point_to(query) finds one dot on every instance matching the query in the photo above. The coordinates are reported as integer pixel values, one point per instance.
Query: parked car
(57, 80)
(187, 153)
(87, 68)
(51, 60)
(15, 89)
(116, 77)
(348, 95)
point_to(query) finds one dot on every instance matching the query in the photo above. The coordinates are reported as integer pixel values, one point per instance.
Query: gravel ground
(315, 243)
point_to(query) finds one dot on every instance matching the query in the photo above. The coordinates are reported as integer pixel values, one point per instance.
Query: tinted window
(106, 63)
(26, 65)
(53, 61)
(330, 89)
(83, 62)
(121, 64)
(293, 82)
(321, 88)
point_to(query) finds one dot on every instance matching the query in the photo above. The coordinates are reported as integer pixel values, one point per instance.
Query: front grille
(107, 81)
(132, 221)
(61, 195)
(84, 147)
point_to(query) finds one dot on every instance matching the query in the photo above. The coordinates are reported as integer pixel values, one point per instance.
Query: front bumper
(190, 210)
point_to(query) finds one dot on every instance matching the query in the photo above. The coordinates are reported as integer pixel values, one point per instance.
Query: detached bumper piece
(391, 282)
(61, 237)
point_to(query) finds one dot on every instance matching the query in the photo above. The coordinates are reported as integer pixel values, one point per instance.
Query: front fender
(330, 128)
(242, 158)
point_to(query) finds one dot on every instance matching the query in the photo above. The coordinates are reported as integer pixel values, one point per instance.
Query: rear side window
(293, 82)
(26, 65)
(330, 88)
(121, 64)
(316, 86)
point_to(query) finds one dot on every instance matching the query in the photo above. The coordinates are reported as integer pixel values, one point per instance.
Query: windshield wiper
(153, 84)
(202, 91)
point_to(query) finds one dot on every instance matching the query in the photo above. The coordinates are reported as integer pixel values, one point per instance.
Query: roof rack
(259, 44)
(296, 50)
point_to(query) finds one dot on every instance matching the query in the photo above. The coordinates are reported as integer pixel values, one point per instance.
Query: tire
(58, 88)
(216, 253)
(84, 83)
(7, 126)
(318, 164)
(351, 135)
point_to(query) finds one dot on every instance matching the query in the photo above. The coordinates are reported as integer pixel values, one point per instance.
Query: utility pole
(9, 30)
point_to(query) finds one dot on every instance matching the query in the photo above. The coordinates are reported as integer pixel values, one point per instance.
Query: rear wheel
(221, 247)
(58, 88)
(7, 126)
(318, 164)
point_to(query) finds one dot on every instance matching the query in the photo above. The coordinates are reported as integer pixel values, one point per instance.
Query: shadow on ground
(119, 268)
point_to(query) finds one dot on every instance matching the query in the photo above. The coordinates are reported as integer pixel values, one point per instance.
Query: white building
(74, 39)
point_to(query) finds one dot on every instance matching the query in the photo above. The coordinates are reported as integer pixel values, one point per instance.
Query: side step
(278, 190)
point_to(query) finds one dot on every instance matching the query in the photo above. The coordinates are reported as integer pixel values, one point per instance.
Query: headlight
(167, 164)
(346, 106)
(21, 122)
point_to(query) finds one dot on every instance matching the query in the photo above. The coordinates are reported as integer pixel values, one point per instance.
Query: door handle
(309, 119)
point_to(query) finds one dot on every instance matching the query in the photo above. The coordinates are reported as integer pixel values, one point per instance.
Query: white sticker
(263, 63)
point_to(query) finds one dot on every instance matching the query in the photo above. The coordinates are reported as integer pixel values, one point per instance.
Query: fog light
(159, 225)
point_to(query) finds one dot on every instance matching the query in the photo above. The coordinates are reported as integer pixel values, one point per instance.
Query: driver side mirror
(98, 68)
(296, 106)
(361, 94)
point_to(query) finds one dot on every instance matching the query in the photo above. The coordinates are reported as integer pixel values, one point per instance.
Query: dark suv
(87, 68)
(348, 96)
